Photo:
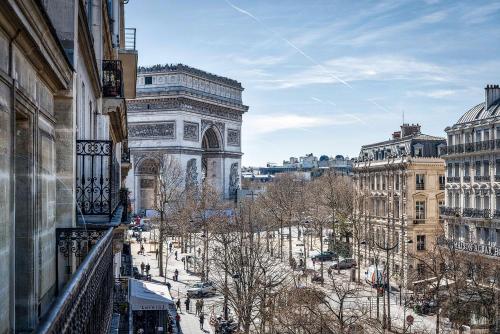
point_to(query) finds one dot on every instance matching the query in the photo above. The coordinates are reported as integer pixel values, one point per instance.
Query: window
(486, 135)
(478, 134)
(457, 199)
(478, 168)
(441, 182)
(450, 170)
(497, 201)
(420, 209)
(466, 200)
(466, 168)
(457, 170)
(486, 167)
(418, 150)
(497, 167)
(486, 202)
(478, 201)
(420, 242)
(420, 181)
(148, 80)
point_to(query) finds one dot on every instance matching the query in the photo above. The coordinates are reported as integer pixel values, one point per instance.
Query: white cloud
(436, 94)
(350, 69)
(263, 124)
(480, 14)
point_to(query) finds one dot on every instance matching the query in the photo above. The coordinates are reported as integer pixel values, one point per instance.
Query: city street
(366, 296)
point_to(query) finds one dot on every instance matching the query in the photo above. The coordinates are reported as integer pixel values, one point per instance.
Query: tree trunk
(160, 252)
(289, 241)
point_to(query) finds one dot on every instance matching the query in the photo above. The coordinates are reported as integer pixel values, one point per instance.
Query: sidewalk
(189, 322)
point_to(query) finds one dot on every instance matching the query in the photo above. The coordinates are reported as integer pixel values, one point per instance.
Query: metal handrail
(66, 306)
(130, 36)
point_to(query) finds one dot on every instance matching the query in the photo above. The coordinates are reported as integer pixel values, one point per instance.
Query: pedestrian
(176, 275)
(197, 307)
(176, 256)
(201, 305)
(186, 302)
(156, 253)
(178, 305)
(202, 320)
(148, 267)
(170, 246)
(142, 249)
(178, 322)
(199, 251)
(142, 268)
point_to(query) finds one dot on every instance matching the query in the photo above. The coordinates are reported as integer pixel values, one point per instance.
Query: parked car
(325, 256)
(346, 263)
(201, 289)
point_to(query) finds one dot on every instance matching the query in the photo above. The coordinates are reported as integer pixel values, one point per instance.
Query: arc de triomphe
(192, 115)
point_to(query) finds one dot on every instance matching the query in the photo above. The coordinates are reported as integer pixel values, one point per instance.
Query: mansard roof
(191, 70)
(478, 112)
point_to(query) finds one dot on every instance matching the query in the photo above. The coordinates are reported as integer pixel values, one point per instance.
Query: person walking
(170, 246)
(176, 275)
(186, 302)
(197, 307)
(142, 268)
(176, 256)
(156, 252)
(148, 268)
(178, 305)
(178, 322)
(202, 320)
(201, 306)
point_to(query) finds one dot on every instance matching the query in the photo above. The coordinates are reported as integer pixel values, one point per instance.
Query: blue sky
(329, 76)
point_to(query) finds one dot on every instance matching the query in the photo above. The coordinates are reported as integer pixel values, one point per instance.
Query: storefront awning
(147, 296)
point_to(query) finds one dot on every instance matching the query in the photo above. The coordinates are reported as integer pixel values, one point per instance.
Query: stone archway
(211, 160)
(145, 179)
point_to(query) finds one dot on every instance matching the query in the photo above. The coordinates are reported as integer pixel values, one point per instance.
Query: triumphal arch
(188, 114)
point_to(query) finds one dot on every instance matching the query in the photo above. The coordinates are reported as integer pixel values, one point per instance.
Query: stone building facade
(192, 115)
(472, 212)
(401, 182)
(54, 105)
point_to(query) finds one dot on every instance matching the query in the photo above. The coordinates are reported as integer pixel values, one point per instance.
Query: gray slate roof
(478, 112)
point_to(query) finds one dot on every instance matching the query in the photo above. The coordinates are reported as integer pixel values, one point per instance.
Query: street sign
(410, 319)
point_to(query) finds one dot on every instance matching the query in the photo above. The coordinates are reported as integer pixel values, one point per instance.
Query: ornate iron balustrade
(420, 186)
(486, 213)
(449, 211)
(85, 305)
(496, 214)
(467, 178)
(112, 83)
(453, 179)
(477, 213)
(419, 221)
(468, 212)
(482, 178)
(497, 178)
(97, 178)
(497, 143)
(469, 247)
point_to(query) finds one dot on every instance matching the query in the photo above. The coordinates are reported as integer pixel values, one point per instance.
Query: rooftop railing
(472, 247)
(130, 37)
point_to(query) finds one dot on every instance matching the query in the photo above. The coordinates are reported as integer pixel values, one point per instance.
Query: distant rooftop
(188, 69)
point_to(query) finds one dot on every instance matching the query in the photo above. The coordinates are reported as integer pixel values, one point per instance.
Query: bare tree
(169, 187)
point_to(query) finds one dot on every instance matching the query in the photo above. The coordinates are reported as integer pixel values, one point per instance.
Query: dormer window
(418, 150)
(148, 80)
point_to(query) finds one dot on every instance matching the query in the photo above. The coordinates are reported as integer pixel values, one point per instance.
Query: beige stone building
(402, 183)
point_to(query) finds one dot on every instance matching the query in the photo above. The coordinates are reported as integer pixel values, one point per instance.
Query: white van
(373, 279)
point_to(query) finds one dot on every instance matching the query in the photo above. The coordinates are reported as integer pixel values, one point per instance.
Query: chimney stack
(492, 94)
(409, 130)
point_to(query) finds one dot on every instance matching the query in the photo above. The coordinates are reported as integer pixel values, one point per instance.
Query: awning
(147, 296)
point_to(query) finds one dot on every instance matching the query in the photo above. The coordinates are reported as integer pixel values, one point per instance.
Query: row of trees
(241, 254)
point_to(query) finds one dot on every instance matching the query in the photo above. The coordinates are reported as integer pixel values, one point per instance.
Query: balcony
(85, 303)
(112, 83)
(419, 221)
(482, 178)
(129, 39)
(97, 180)
(468, 212)
(487, 250)
(420, 186)
(453, 179)
(496, 214)
(497, 178)
(128, 55)
(449, 211)
(467, 178)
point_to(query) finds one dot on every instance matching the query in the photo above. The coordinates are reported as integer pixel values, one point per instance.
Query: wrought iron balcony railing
(485, 249)
(97, 178)
(467, 178)
(468, 212)
(112, 82)
(420, 186)
(482, 178)
(449, 211)
(85, 305)
(497, 178)
(496, 214)
(453, 179)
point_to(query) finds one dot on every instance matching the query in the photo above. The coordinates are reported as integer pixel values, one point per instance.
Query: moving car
(201, 289)
(325, 256)
(346, 263)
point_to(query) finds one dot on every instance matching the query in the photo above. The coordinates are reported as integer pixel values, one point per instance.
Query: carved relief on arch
(205, 124)
(148, 166)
